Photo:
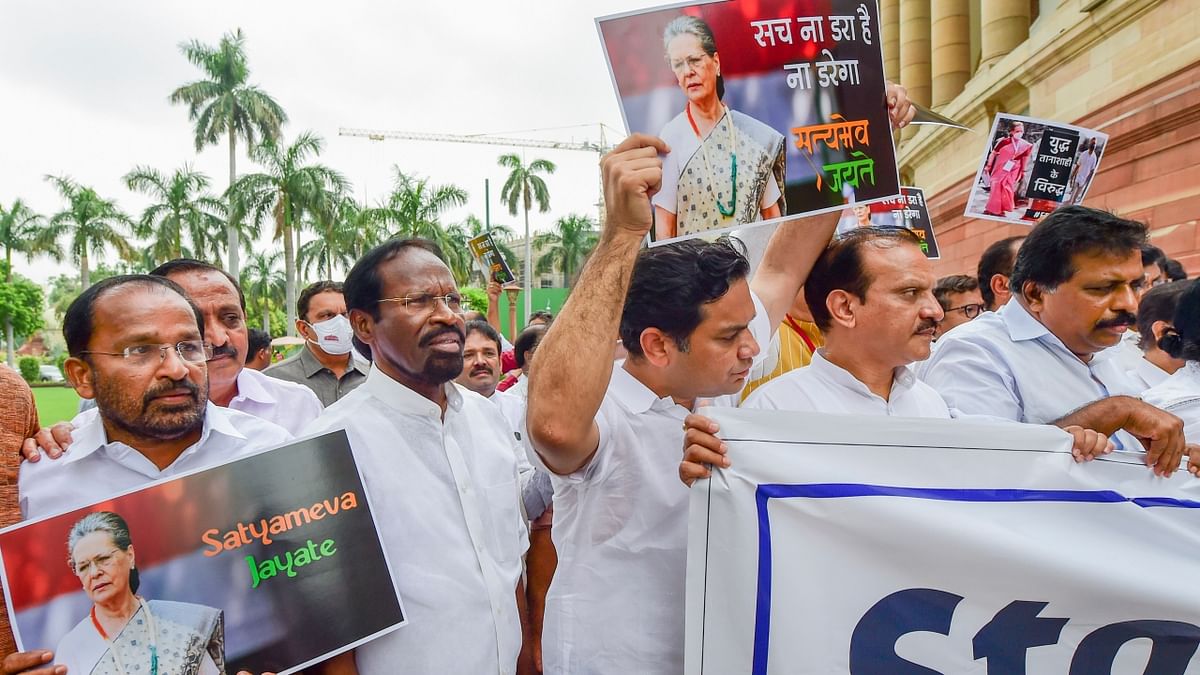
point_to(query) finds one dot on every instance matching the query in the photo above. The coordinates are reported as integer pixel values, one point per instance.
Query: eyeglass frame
(981, 308)
(429, 297)
(109, 560)
(692, 63)
(207, 349)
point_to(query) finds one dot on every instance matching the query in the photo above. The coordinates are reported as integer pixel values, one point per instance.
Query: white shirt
(1007, 364)
(620, 530)
(94, 469)
(1127, 353)
(290, 405)
(451, 525)
(512, 407)
(1146, 374)
(824, 387)
(1179, 394)
(1087, 166)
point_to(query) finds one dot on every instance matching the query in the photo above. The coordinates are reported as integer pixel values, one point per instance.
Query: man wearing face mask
(327, 364)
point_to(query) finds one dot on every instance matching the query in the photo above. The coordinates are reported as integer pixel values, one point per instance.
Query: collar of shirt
(1023, 326)
(405, 400)
(634, 396)
(311, 365)
(251, 388)
(903, 378)
(90, 437)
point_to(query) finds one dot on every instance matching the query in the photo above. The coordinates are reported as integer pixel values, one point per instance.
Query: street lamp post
(511, 292)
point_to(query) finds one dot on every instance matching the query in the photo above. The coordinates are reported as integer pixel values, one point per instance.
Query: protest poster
(491, 260)
(875, 545)
(268, 564)
(772, 109)
(908, 211)
(1031, 167)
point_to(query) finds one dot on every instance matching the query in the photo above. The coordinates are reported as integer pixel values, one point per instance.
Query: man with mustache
(136, 346)
(1041, 357)
(441, 461)
(481, 372)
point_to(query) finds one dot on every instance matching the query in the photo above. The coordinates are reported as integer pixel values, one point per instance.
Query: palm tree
(93, 224)
(21, 231)
(472, 227)
(263, 283)
(183, 210)
(288, 190)
(340, 235)
(224, 104)
(566, 246)
(414, 209)
(524, 186)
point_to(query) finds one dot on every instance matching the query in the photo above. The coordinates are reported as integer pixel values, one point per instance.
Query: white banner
(879, 546)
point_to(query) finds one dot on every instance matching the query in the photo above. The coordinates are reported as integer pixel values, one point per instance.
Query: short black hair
(840, 267)
(259, 339)
(1174, 270)
(1158, 304)
(996, 259)
(1182, 340)
(1152, 255)
(79, 320)
(485, 329)
(363, 288)
(1046, 256)
(311, 290)
(183, 265)
(671, 283)
(527, 341)
(955, 283)
(540, 314)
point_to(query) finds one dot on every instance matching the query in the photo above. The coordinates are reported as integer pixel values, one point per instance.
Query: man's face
(481, 364)
(1154, 277)
(162, 399)
(224, 322)
(960, 305)
(721, 348)
(321, 307)
(897, 320)
(422, 345)
(1091, 310)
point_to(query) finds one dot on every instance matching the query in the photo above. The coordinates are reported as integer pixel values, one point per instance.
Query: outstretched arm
(573, 362)
(789, 257)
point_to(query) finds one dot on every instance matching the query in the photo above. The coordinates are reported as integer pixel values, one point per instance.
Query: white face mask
(333, 335)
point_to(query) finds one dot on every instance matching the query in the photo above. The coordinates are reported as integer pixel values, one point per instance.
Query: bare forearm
(1106, 415)
(789, 258)
(573, 362)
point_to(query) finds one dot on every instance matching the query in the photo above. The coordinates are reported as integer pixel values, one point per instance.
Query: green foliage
(279, 322)
(183, 220)
(414, 209)
(21, 302)
(566, 246)
(92, 225)
(60, 361)
(474, 298)
(29, 366)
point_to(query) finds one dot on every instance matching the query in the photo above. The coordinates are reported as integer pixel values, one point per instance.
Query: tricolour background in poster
(985, 537)
(280, 624)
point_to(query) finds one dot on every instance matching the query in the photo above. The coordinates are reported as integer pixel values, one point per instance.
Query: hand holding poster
(261, 564)
(771, 108)
(877, 546)
(908, 211)
(490, 260)
(1031, 167)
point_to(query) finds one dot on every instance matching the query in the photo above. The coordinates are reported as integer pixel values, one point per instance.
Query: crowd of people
(532, 496)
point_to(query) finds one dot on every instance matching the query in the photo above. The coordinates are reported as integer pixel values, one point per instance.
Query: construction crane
(483, 139)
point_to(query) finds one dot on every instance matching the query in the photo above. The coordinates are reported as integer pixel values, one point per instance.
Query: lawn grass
(55, 404)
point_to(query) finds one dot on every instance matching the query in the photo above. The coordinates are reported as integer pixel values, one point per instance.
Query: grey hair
(100, 521)
(691, 25)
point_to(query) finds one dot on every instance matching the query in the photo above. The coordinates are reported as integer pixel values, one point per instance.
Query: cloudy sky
(85, 85)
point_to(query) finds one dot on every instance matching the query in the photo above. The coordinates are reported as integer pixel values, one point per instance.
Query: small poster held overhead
(1031, 167)
(491, 261)
(908, 211)
(772, 109)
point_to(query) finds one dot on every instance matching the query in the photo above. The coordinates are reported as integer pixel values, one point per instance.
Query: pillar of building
(889, 17)
(915, 73)
(951, 49)
(1004, 24)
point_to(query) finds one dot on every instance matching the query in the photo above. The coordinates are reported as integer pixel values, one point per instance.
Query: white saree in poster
(880, 546)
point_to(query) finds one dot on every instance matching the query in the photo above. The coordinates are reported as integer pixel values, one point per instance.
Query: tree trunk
(10, 350)
(289, 265)
(528, 267)
(85, 277)
(230, 230)
(266, 317)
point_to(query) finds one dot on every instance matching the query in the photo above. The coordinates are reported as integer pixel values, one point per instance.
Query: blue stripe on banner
(767, 492)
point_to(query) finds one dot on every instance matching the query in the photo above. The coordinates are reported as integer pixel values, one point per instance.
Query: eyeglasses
(104, 560)
(688, 63)
(190, 351)
(420, 303)
(970, 311)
